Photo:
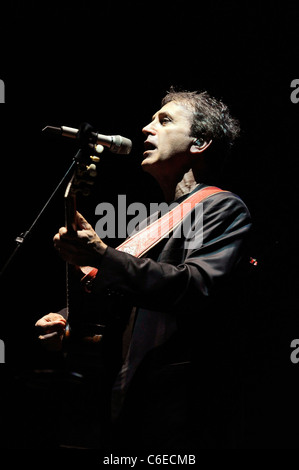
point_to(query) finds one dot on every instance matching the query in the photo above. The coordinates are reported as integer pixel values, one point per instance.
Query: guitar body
(94, 341)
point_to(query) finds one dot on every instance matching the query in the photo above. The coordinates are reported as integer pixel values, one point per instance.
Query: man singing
(175, 388)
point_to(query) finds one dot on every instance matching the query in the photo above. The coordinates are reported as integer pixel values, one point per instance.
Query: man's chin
(148, 160)
(145, 165)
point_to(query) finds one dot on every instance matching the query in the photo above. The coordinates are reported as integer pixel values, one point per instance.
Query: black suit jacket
(172, 367)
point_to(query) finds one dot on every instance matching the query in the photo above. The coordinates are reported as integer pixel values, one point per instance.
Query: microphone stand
(83, 138)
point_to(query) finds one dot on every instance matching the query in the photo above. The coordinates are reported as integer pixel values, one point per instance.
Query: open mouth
(149, 147)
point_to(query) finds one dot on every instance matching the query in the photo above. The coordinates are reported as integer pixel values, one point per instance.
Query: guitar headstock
(81, 182)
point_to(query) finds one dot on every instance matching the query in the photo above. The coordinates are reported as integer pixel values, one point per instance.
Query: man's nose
(149, 129)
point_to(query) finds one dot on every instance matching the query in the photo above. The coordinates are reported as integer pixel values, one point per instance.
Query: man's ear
(199, 146)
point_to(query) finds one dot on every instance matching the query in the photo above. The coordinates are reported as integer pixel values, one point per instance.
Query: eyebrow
(162, 113)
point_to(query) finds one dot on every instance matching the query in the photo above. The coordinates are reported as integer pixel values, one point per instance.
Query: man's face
(168, 140)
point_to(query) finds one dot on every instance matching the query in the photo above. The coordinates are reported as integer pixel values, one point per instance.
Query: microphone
(115, 143)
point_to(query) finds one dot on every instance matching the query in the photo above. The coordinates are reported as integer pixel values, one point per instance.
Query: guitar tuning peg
(99, 148)
(94, 158)
(92, 170)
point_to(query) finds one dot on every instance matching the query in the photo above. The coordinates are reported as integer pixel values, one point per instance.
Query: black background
(110, 64)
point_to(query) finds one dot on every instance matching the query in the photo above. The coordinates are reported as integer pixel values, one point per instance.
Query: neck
(172, 190)
(186, 185)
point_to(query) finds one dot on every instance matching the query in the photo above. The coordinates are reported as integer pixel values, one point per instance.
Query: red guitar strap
(141, 242)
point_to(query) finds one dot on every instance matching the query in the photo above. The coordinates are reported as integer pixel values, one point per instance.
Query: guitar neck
(70, 224)
(79, 183)
(70, 208)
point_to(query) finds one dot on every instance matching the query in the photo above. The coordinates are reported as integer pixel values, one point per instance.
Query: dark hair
(211, 119)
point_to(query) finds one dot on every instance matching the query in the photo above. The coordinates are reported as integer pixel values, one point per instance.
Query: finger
(56, 240)
(48, 336)
(67, 243)
(69, 249)
(50, 317)
(62, 231)
(62, 234)
(82, 222)
(51, 326)
(42, 321)
(52, 342)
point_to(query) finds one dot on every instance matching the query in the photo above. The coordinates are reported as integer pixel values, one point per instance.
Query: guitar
(95, 323)
(80, 328)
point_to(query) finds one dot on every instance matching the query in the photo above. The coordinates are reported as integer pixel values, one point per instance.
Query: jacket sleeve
(159, 285)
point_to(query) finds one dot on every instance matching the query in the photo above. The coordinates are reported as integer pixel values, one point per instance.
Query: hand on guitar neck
(82, 247)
